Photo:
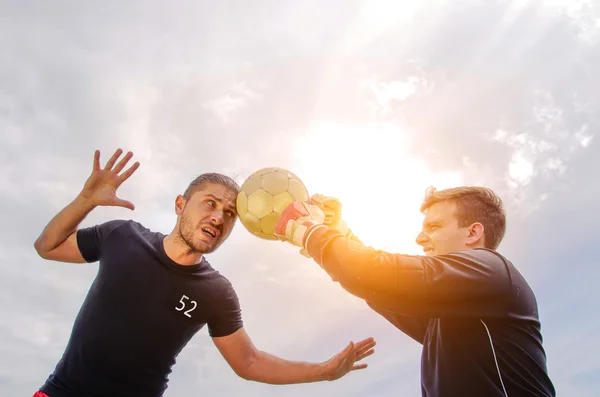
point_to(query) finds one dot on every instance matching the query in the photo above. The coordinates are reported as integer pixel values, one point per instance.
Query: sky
(495, 93)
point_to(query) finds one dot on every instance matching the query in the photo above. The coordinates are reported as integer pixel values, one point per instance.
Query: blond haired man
(468, 305)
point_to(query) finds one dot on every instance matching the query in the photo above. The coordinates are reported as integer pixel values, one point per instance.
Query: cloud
(223, 106)
(500, 94)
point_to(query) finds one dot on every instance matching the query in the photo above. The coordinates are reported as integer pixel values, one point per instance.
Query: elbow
(245, 376)
(40, 249)
(245, 373)
(247, 370)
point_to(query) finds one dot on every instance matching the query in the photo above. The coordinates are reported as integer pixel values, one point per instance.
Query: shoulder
(117, 230)
(222, 287)
(112, 225)
(480, 263)
(482, 256)
(128, 227)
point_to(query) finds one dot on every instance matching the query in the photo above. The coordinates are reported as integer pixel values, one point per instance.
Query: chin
(206, 247)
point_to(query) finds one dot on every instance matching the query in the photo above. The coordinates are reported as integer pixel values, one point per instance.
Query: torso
(141, 310)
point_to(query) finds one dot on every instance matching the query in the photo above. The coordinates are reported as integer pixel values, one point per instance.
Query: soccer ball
(264, 196)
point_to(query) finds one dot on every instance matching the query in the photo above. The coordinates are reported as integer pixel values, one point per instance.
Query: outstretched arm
(252, 364)
(58, 240)
(473, 282)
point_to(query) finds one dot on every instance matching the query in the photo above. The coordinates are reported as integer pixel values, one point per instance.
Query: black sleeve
(227, 315)
(91, 239)
(466, 283)
(413, 326)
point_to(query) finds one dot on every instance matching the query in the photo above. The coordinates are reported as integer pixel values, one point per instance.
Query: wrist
(85, 203)
(324, 372)
(314, 226)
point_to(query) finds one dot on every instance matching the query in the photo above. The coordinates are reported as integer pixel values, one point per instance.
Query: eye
(230, 214)
(211, 203)
(431, 228)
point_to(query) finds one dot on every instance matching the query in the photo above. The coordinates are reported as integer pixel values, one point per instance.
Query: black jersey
(472, 311)
(140, 312)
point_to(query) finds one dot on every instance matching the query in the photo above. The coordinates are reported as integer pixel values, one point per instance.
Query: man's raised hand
(101, 187)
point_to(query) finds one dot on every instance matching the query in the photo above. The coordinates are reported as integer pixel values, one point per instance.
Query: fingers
(123, 162)
(364, 355)
(96, 165)
(364, 349)
(346, 353)
(348, 349)
(124, 203)
(111, 162)
(367, 343)
(359, 366)
(124, 176)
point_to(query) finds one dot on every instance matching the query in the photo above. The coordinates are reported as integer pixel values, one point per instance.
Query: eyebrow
(230, 207)
(431, 222)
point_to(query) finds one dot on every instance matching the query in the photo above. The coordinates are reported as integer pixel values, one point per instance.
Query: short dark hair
(210, 177)
(473, 204)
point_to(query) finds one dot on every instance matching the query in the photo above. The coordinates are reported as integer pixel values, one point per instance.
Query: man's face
(441, 233)
(207, 218)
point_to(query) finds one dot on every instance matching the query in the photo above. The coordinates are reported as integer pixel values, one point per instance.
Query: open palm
(345, 361)
(101, 187)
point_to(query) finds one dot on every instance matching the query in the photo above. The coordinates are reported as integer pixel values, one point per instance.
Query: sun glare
(368, 169)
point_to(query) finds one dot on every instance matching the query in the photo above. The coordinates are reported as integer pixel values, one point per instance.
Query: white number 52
(182, 301)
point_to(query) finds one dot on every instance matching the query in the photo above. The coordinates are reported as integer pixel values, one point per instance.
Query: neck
(180, 252)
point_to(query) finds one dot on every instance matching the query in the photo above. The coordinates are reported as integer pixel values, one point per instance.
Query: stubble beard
(186, 234)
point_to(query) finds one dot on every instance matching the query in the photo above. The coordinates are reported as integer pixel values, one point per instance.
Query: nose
(217, 217)
(422, 238)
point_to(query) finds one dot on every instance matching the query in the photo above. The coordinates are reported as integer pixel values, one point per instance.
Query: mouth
(210, 232)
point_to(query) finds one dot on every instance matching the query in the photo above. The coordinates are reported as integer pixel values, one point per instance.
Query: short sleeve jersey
(140, 312)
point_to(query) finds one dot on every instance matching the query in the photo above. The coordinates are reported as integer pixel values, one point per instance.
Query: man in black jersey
(154, 292)
(469, 307)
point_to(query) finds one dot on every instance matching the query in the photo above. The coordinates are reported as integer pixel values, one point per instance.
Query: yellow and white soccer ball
(263, 197)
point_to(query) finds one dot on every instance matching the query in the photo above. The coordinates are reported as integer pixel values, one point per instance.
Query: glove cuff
(310, 232)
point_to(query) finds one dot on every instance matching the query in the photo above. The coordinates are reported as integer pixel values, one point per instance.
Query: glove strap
(309, 233)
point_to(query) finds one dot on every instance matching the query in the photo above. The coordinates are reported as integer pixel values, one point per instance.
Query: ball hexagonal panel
(252, 184)
(289, 174)
(281, 201)
(241, 204)
(267, 224)
(275, 183)
(260, 203)
(265, 171)
(266, 236)
(251, 223)
(297, 189)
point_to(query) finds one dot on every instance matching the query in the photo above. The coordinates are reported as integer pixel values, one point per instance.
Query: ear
(180, 204)
(476, 235)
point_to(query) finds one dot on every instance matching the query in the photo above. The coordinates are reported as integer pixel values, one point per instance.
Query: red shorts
(40, 394)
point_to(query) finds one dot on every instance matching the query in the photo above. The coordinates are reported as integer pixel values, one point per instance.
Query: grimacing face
(207, 218)
(441, 234)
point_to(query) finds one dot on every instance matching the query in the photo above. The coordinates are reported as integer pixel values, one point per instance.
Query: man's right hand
(101, 187)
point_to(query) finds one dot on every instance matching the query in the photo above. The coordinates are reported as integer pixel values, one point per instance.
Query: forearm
(364, 271)
(267, 368)
(63, 224)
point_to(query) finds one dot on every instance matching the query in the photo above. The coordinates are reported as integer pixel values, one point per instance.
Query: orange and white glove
(297, 222)
(332, 208)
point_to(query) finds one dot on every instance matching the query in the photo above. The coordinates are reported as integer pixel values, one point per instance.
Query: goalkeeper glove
(332, 208)
(297, 222)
